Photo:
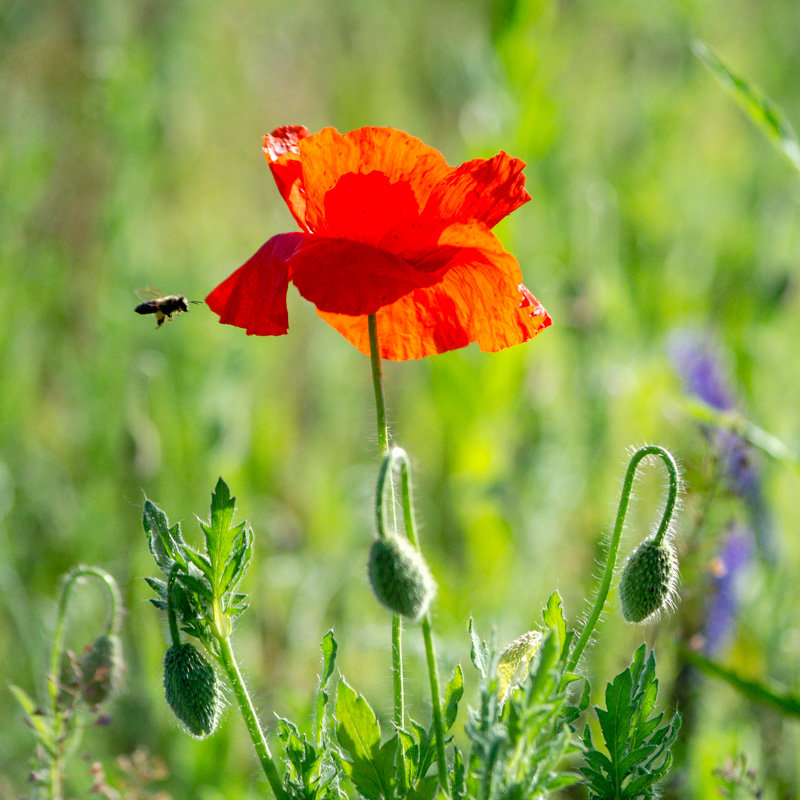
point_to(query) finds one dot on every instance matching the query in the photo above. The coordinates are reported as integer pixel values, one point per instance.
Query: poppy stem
(613, 547)
(427, 627)
(383, 449)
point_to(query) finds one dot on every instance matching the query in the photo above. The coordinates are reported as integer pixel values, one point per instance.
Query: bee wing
(149, 293)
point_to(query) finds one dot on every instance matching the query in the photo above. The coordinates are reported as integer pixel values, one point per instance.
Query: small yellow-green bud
(647, 585)
(191, 689)
(400, 577)
(512, 668)
(100, 667)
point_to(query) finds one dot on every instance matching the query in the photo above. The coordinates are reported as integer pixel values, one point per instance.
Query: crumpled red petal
(281, 148)
(347, 277)
(328, 156)
(254, 297)
(486, 190)
(480, 298)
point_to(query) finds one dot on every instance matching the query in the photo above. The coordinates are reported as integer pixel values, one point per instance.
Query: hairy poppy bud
(100, 669)
(400, 577)
(191, 689)
(648, 580)
(512, 668)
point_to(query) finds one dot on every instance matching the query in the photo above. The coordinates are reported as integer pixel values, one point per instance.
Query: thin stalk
(613, 548)
(231, 668)
(383, 449)
(399, 457)
(56, 768)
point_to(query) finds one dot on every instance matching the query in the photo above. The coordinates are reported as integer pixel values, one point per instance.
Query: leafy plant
(518, 747)
(637, 753)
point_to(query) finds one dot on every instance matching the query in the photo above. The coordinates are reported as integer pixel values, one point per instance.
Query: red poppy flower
(388, 228)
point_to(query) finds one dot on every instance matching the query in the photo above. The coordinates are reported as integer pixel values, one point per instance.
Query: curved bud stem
(613, 547)
(397, 458)
(114, 607)
(174, 631)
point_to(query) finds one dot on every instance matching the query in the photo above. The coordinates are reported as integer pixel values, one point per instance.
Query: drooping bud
(512, 668)
(400, 577)
(100, 668)
(191, 689)
(647, 584)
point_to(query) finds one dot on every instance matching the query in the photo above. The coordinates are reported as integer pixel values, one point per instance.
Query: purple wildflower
(723, 604)
(697, 361)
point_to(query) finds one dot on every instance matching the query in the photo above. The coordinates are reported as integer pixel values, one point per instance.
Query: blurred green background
(130, 155)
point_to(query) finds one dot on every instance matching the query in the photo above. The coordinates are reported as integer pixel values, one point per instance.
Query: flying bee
(163, 306)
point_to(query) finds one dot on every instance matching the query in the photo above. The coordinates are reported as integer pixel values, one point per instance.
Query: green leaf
(329, 648)
(479, 653)
(768, 116)
(453, 693)
(458, 775)
(553, 616)
(638, 749)
(165, 543)
(40, 724)
(787, 703)
(200, 561)
(359, 736)
(220, 535)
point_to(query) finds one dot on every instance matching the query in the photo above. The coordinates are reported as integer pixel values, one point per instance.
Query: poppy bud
(512, 668)
(400, 577)
(648, 580)
(100, 668)
(191, 689)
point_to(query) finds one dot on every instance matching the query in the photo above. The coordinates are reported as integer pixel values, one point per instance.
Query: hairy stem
(397, 458)
(383, 449)
(250, 717)
(613, 547)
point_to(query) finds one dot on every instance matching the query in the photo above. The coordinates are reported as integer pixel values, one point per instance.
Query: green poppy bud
(512, 668)
(647, 585)
(100, 668)
(191, 689)
(400, 577)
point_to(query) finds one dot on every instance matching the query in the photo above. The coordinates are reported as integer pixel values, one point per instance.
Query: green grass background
(130, 155)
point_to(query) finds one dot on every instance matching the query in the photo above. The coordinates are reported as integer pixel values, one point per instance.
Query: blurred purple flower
(697, 361)
(723, 603)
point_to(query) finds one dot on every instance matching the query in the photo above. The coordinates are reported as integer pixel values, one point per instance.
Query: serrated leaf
(458, 775)
(766, 114)
(329, 648)
(479, 653)
(553, 616)
(453, 693)
(200, 561)
(359, 736)
(219, 534)
(196, 585)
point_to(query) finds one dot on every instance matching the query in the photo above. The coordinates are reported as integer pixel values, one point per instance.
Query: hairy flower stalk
(397, 458)
(383, 450)
(613, 548)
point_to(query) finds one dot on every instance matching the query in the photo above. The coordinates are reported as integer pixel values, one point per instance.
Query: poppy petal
(282, 152)
(483, 190)
(479, 299)
(328, 156)
(346, 277)
(254, 297)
